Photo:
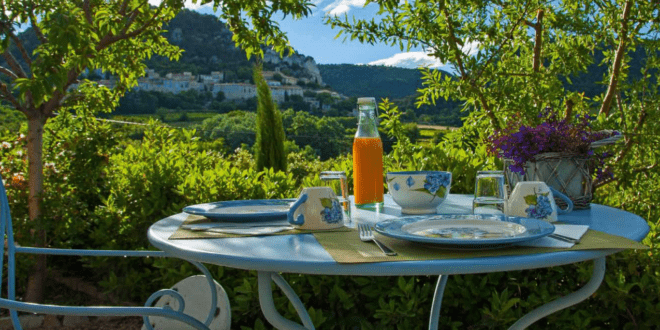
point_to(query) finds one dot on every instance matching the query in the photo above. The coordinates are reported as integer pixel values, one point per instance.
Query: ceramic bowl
(419, 192)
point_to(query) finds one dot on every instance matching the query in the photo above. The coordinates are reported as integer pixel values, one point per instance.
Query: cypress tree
(269, 144)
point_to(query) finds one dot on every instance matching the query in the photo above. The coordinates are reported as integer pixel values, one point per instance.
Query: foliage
(452, 154)
(146, 102)
(235, 128)
(169, 169)
(10, 119)
(130, 188)
(269, 143)
(518, 56)
(42, 73)
(325, 134)
(77, 150)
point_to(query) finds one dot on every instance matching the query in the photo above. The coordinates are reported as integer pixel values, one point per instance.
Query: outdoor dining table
(303, 254)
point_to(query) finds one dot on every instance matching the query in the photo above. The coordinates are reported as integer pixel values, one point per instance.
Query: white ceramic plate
(465, 230)
(243, 210)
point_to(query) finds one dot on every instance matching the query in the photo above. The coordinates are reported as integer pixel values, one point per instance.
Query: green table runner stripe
(346, 247)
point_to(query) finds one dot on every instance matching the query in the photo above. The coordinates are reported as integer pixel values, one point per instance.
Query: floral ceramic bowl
(419, 192)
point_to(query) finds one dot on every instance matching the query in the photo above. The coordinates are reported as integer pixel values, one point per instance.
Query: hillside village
(283, 87)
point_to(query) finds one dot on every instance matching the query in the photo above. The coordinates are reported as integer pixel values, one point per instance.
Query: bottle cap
(366, 100)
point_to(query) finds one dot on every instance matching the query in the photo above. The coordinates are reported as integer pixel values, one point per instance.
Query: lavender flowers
(521, 143)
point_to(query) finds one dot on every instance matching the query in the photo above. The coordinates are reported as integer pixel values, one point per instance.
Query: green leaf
(530, 199)
(326, 202)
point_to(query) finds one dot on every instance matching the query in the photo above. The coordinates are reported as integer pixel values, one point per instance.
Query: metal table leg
(567, 301)
(437, 302)
(268, 305)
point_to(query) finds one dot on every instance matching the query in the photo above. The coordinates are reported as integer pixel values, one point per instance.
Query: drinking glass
(489, 193)
(337, 181)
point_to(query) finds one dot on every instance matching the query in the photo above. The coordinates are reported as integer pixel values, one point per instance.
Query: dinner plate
(472, 231)
(243, 210)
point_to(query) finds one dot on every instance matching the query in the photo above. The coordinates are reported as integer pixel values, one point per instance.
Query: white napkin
(246, 228)
(572, 231)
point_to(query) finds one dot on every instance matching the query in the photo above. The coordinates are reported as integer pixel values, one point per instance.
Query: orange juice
(368, 170)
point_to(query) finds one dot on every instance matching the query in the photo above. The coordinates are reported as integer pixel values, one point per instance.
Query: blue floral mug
(317, 208)
(535, 199)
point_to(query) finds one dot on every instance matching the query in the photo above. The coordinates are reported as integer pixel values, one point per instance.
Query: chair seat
(197, 301)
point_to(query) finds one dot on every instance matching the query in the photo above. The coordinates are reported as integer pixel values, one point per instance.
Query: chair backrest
(7, 232)
(5, 221)
(223, 320)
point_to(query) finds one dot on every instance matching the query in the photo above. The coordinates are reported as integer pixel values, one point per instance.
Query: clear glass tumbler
(489, 193)
(338, 182)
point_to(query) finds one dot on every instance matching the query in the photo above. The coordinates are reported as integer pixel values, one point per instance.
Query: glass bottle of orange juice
(367, 156)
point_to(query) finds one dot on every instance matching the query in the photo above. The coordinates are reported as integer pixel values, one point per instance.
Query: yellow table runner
(346, 247)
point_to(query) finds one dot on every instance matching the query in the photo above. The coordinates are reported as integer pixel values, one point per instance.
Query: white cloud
(412, 60)
(339, 7)
(470, 48)
(189, 4)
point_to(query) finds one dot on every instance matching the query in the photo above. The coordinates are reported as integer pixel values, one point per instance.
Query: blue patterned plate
(243, 210)
(471, 231)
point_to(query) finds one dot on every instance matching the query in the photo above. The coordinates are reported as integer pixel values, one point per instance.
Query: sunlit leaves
(255, 23)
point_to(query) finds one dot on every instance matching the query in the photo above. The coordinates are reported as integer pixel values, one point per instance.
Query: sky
(310, 37)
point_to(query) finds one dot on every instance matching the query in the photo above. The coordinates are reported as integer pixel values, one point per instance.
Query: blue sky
(309, 36)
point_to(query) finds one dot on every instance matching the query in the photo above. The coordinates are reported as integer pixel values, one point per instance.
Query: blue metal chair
(167, 298)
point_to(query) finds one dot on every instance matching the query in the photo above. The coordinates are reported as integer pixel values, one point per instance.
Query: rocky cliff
(208, 46)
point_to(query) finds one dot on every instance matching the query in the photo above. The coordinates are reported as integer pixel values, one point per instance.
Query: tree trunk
(37, 277)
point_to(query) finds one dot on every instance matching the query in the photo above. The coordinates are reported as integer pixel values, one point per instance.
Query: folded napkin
(246, 228)
(572, 231)
(249, 231)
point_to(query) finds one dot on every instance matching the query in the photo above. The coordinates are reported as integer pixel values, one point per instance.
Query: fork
(366, 235)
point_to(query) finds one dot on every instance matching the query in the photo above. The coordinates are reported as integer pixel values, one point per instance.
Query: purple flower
(521, 143)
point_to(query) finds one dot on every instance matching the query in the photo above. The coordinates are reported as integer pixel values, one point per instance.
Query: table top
(303, 254)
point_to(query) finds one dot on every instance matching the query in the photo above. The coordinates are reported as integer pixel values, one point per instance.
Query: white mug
(535, 199)
(316, 208)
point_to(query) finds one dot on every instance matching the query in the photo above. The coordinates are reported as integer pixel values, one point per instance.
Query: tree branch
(8, 72)
(19, 45)
(499, 48)
(618, 59)
(111, 39)
(35, 27)
(7, 95)
(538, 42)
(569, 109)
(626, 147)
(458, 56)
(124, 5)
(454, 41)
(18, 70)
(55, 101)
(88, 13)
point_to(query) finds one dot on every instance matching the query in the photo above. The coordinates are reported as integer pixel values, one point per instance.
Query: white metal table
(270, 255)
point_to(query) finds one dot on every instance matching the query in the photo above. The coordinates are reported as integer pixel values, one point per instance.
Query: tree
(42, 68)
(516, 57)
(269, 144)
